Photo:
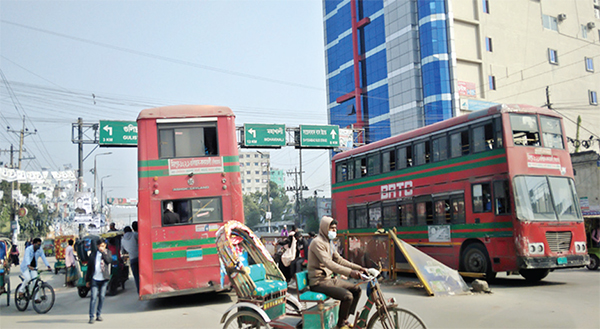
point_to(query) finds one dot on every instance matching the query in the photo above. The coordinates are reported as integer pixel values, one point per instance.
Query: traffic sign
(319, 136)
(118, 133)
(264, 135)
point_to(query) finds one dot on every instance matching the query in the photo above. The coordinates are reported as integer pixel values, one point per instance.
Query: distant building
(404, 64)
(277, 176)
(254, 168)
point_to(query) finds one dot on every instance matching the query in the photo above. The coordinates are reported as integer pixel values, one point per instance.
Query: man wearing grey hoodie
(323, 261)
(129, 244)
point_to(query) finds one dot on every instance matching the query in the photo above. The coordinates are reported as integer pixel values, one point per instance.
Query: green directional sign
(264, 135)
(118, 133)
(319, 136)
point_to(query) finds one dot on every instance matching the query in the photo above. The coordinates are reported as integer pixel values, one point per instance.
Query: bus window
(424, 213)
(351, 218)
(483, 138)
(350, 170)
(501, 199)
(442, 212)
(458, 210)
(552, 132)
(482, 198)
(498, 130)
(440, 149)
(459, 144)
(187, 140)
(388, 160)
(401, 160)
(169, 216)
(341, 172)
(420, 154)
(374, 164)
(390, 215)
(357, 168)
(206, 210)
(363, 167)
(361, 217)
(374, 215)
(407, 214)
(525, 130)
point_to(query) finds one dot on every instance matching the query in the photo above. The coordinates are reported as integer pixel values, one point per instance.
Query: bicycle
(38, 289)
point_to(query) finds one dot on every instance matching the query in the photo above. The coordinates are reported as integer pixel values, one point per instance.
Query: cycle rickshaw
(263, 299)
(5, 270)
(60, 245)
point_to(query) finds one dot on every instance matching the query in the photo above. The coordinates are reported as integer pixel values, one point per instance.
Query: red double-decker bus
(189, 186)
(486, 192)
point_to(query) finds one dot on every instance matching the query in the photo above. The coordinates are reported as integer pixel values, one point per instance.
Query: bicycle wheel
(245, 320)
(401, 319)
(21, 302)
(43, 298)
(7, 291)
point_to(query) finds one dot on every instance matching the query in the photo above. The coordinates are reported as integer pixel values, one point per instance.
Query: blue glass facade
(430, 87)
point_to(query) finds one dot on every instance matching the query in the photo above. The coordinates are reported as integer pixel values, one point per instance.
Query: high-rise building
(254, 170)
(396, 65)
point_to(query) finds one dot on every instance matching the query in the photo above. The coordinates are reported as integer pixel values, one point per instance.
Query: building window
(593, 97)
(488, 44)
(584, 31)
(492, 82)
(550, 23)
(589, 64)
(552, 56)
(486, 6)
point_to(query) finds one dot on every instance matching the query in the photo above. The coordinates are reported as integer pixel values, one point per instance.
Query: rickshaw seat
(264, 287)
(304, 294)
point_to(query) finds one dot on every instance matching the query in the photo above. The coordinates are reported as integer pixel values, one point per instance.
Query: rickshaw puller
(323, 261)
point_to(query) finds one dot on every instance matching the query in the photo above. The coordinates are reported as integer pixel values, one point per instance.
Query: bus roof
(185, 111)
(503, 108)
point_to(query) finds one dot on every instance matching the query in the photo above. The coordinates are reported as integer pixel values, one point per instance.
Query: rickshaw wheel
(82, 291)
(7, 292)
(245, 319)
(593, 263)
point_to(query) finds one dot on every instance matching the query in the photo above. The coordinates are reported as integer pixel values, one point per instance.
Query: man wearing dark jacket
(97, 276)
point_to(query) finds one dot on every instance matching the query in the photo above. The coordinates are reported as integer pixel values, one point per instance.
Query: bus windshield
(543, 198)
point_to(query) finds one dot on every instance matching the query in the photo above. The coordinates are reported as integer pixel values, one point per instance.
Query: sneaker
(91, 321)
(99, 318)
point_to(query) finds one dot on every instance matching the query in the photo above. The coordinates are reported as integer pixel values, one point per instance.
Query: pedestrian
(97, 276)
(71, 270)
(29, 265)
(14, 255)
(284, 232)
(311, 237)
(129, 244)
(27, 243)
(113, 227)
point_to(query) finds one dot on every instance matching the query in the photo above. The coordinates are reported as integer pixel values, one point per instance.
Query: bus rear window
(192, 211)
(552, 132)
(187, 140)
(525, 130)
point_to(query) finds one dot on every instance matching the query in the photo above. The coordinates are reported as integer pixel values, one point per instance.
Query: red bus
(189, 186)
(486, 192)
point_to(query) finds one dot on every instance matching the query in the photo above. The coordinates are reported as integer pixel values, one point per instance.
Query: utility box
(321, 316)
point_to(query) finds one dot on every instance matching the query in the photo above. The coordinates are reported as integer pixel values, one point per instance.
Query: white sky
(263, 59)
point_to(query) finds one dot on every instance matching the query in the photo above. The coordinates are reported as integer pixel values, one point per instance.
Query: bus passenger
(170, 217)
(323, 261)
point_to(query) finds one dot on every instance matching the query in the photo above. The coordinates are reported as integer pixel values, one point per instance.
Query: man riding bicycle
(323, 261)
(29, 264)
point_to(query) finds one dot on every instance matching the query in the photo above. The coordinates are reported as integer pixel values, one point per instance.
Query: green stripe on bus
(181, 253)
(232, 168)
(182, 243)
(153, 163)
(231, 158)
(443, 171)
(460, 160)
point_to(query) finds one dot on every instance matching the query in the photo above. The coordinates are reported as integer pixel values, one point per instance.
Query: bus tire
(593, 265)
(476, 260)
(534, 275)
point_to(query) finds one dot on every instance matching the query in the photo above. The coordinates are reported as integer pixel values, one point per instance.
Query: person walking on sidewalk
(97, 276)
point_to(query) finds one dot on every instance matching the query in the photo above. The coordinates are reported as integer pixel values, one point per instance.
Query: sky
(108, 60)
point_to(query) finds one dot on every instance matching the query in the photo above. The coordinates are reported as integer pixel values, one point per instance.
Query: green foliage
(308, 211)
(26, 189)
(255, 206)
(35, 223)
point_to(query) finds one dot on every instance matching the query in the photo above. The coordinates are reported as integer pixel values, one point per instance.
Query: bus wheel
(534, 275)
(476, 260)
(593, 263)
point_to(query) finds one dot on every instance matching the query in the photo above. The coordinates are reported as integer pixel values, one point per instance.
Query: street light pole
(102, 193)
(96, 172)
(268, 215)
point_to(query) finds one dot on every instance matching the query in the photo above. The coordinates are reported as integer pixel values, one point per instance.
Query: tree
(255, 206)
(308, 211)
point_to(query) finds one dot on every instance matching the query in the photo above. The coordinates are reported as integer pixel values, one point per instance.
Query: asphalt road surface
(565, 299)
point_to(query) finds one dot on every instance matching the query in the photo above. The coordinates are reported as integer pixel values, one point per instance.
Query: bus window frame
(189, 201)
(394, 222)
(352, 219)
(376, 156)
(350, 167)
(507, 190)
(374, 206)
(486, 145)
(483, 204)
(544, 133)
(364, 208)
(428, 200)
(391, 161)
(410, 221)
(455, 218)
(539, 131)
(164, 125)
(433, 151)
(340, 175)
(447, 218)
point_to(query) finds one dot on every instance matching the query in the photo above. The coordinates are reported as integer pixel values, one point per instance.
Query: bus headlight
(536, 248)
(580, 247)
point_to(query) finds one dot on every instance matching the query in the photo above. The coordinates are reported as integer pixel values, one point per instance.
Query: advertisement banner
(195, 165)
(543, 161)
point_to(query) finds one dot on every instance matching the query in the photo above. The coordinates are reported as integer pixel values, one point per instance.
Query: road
(565, 299)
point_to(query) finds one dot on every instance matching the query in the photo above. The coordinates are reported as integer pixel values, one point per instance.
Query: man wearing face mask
(323, 262)
(29, 265)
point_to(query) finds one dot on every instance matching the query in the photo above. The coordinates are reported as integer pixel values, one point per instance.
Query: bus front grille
(558, 241)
